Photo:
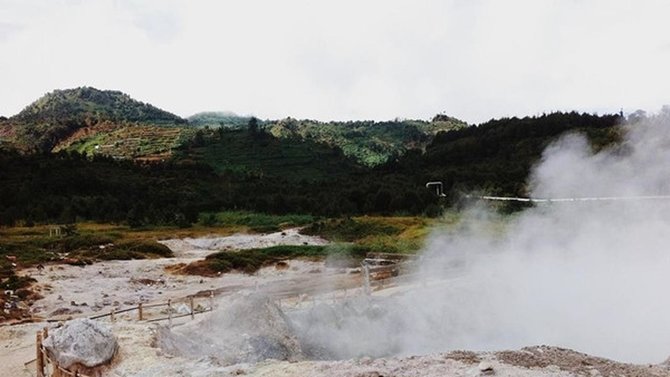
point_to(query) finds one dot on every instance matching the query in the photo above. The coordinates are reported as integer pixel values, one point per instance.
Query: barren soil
(71, 291)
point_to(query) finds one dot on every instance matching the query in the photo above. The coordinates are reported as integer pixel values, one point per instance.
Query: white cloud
(342, 59)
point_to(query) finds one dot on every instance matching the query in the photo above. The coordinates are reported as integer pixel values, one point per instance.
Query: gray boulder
(243, 329)
(81, 341)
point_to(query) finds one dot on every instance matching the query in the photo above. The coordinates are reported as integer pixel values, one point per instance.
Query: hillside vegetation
(284, 167)
(215, 119)
(90, 105)
(42, 125)
(370, 143)
(111, 123)
(495, 157)
(239, 151)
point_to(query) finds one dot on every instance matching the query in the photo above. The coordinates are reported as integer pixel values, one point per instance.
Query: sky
(343, 59)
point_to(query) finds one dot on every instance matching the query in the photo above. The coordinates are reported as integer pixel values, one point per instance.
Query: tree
(252, 127)
(198, 139)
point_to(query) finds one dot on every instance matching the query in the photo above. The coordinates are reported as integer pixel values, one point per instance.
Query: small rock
(486, 368)
(365, 361)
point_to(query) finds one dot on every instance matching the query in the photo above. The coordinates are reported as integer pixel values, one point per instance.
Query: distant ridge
(218, 119)
(110, 123)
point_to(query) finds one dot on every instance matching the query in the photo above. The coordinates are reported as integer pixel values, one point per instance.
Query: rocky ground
(76, 291)
(196, 348)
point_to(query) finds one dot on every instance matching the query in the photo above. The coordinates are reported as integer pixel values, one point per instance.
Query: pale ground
(119, 284)
(89, 290)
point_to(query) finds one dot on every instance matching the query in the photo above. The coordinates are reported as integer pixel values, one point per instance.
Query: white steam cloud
(591, 276)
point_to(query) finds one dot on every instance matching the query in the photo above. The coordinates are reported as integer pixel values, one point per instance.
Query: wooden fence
(48, 367)
(379, 269)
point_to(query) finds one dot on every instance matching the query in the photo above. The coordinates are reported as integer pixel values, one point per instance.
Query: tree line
(495, 157)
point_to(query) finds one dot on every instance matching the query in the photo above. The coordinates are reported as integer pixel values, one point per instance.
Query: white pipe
(581, 199)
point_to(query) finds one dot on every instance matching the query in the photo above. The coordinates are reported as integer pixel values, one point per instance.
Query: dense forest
(494, 157)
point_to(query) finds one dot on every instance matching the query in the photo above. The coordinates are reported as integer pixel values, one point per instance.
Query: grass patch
(128, 249)
(30, 246)
(350, 229)
(257, 222)
(251, 260)
(396, 234)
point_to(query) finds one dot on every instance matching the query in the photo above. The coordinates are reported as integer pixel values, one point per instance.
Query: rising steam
(589, 276)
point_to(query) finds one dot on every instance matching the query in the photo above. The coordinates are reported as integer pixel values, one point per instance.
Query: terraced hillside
(111, 123)
(137, 142)
(57, 116)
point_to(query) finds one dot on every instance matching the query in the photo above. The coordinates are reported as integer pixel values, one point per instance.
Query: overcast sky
(343, 59)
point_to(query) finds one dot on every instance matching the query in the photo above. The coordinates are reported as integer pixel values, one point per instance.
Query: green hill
(370, 143)
(111, 123)
(45, 123)
(89, 105)
(496, 157)
(240, 170)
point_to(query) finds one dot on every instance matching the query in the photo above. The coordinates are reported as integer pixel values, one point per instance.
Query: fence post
(366, 286)
(139, 310)
(111, 314)
(192, 308)
(39, 357)
(169, 312)
(211, 300)
(56, 367)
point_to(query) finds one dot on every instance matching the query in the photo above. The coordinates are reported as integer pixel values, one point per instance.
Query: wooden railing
(379, 269)
(48, 367)
(169, 304)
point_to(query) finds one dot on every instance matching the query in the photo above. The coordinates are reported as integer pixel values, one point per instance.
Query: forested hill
(91, 105)
(110, 123)
(368, 142)
(56, 116)
(495, 157)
